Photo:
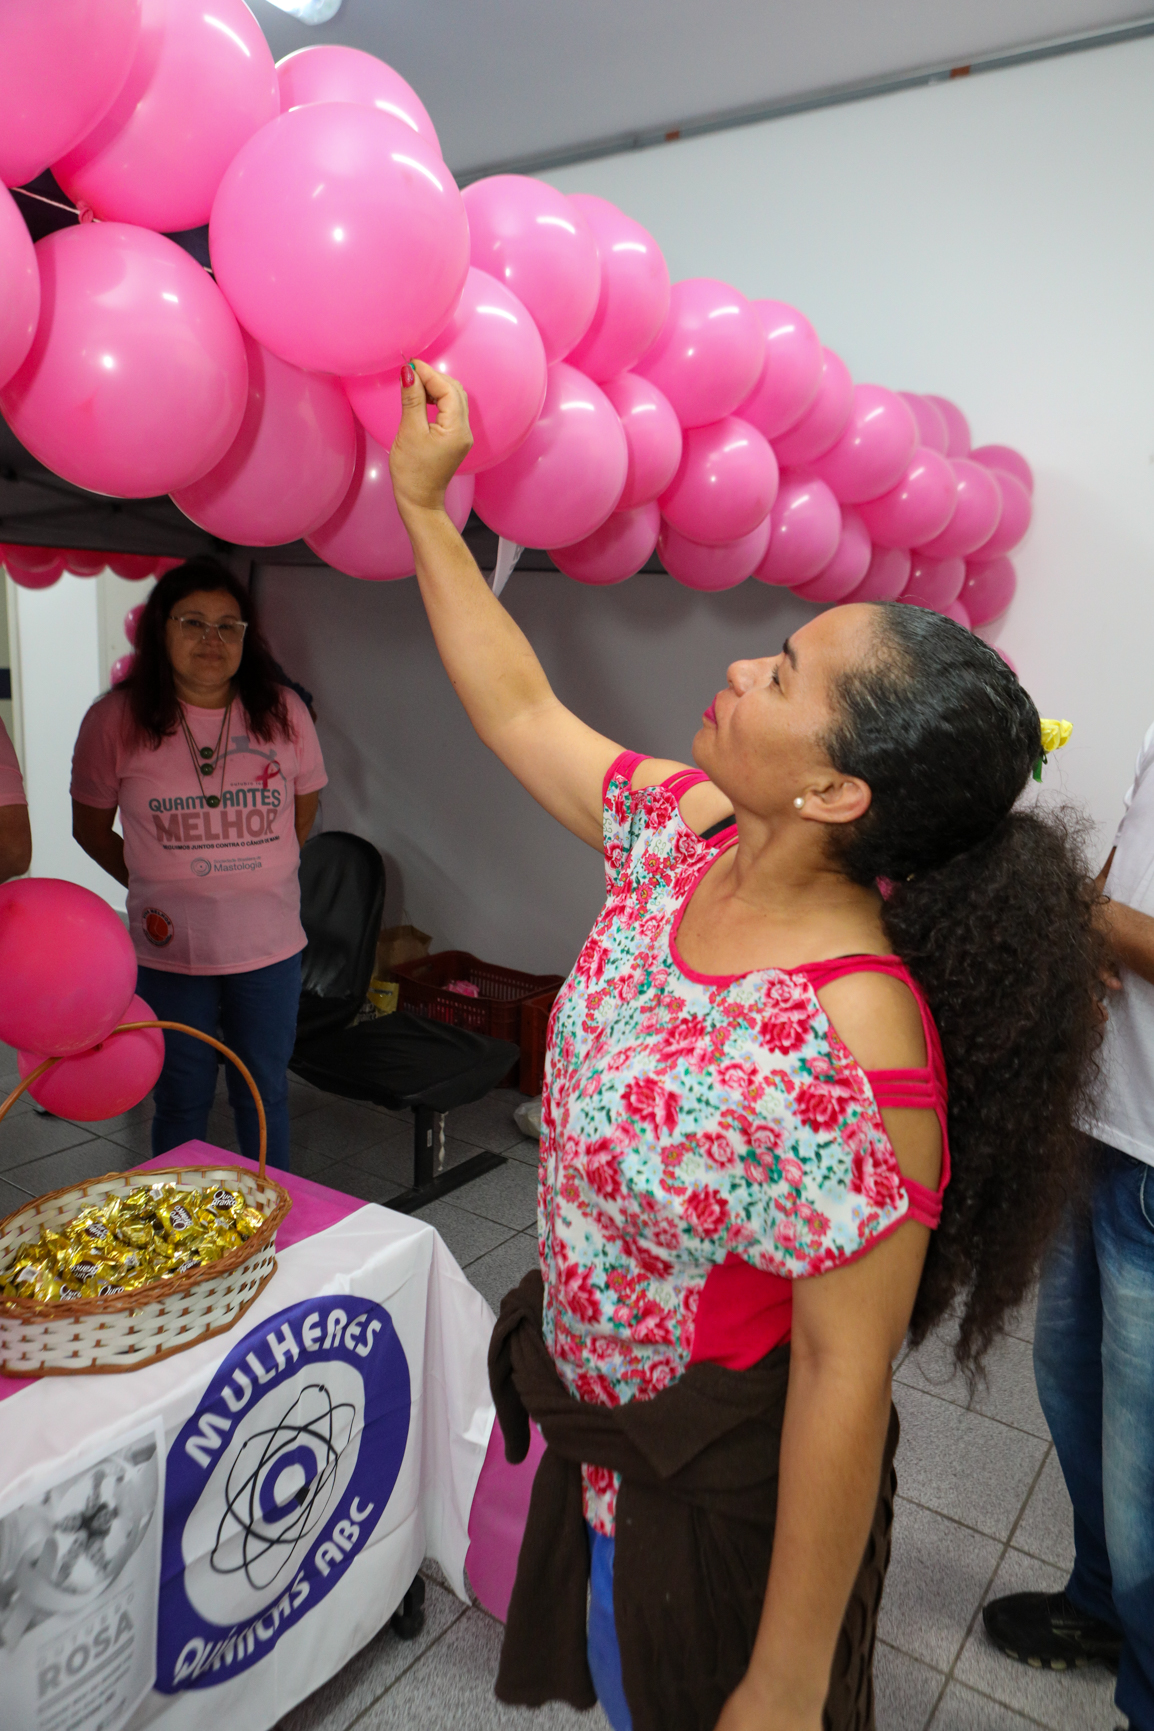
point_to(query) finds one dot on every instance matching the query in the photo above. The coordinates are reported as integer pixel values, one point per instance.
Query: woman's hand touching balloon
(426, 455)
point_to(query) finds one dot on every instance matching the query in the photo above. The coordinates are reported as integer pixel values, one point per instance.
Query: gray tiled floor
(982, 1508)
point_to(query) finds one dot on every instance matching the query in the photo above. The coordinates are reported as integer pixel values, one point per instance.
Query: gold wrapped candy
(155, 1232)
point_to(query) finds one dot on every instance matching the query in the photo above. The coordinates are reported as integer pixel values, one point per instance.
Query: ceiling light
(309, 11)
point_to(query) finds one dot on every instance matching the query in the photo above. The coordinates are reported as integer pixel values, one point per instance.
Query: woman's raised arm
(494, 671)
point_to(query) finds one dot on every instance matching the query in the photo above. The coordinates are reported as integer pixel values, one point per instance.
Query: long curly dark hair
(992, 910)
(150, 688)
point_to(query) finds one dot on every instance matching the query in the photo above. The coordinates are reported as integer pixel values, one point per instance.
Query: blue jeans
(602, 1647)
(256, 1014)
(1094, 1364)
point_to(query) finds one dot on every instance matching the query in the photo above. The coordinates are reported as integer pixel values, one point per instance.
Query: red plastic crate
(501, 992)
(535, 1014)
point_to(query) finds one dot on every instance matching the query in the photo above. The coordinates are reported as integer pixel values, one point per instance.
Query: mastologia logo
(276, 1483)
(201, 867)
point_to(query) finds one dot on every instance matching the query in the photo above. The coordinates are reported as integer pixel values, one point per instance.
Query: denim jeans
(256, 1014)
(1094, 1364)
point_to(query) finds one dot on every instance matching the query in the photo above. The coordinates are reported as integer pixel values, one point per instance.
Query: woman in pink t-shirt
(15, 835)
(215, 768)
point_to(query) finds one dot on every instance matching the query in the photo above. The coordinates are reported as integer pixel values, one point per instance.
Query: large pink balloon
(121, 668)
(534, 240)
(67, 963)
(847, 569)
(135, 383)
(110, 1078)
(874, 448)
(652, 433)
(1005, 457)
(934, 582)
(709, 352)
(132, 619)
(977, 507)
(887, 576)
(339, 239)
(1014, 520)
(493, 347)
(955, 611)
(202, 81)
(957, 426)
(61, 65)
(290, 465)
(365, 536)
(725, 484)
(563, 481)
(33, 567)
(790, 374)
(634, 295)
(988, 589)
(330, 73)
(918, 507)
(700, 567)
(824, 421)
(932, 429)
(805, 527)
(614, 552)
(19, 286)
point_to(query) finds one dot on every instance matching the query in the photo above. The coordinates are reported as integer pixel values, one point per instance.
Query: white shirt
(1125, 1109)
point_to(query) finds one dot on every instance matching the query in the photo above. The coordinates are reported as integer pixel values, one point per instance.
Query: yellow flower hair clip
(1054, 736)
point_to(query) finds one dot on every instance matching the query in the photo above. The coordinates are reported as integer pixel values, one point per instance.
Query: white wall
(991, 239)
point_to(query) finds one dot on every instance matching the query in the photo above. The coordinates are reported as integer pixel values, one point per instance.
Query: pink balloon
(955, 611)
(68, 966)
(202, 81)
(790, 374)
(988, 589)
(848, 567)
(977, 507)
(33, 567)
(805, 528)
(957, 426)
(131, 620)
(60, 69)
(290, 465)
(932, 429)
(365, 536)
(634, 296)
(135, 383)
(700, 567)
(111, 1077)
(563, 481)
(493, 347)
(614, 552)
(121, 668)
(1014, 520)
(1005, 457)
(538, 243)
(934, 582)
(339, 239)
(19, 287)
(134, 567)
(709, 352)
(725, 484)
(824, 421)
(1006, 657)
(330, 73)
(887, 576)
(874, 448)
(652, 434)
(81, 563)
(918, 507)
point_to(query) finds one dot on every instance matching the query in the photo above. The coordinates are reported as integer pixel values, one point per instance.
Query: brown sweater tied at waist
(694, 1535)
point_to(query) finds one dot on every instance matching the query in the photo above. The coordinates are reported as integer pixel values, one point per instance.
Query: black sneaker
(1046, 1631)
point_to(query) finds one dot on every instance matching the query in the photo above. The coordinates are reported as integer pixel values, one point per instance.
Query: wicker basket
(87, 1336)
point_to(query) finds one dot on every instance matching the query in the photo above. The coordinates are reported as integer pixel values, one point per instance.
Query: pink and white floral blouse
(696, 1131)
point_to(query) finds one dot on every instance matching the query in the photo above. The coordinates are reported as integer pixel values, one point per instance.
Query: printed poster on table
(79, 1585)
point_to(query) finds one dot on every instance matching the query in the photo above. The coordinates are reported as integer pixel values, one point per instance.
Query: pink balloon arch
(616, 414)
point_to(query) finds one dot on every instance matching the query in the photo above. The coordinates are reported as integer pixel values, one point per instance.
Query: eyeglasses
(230, 631)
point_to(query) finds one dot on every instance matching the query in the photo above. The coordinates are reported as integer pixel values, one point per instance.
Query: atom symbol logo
(279, 1487)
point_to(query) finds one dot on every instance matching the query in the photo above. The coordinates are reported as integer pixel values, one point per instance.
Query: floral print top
(686, 1119)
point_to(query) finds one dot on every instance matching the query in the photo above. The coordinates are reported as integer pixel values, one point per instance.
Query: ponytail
(991, 909)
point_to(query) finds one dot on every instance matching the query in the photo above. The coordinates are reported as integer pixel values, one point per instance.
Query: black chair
(396, 1061)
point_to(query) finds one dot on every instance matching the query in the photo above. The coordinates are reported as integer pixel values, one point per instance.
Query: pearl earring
(799, 802)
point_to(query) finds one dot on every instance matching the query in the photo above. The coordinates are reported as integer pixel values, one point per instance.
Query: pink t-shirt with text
(11, 781)
(210, 891)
